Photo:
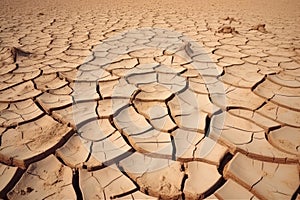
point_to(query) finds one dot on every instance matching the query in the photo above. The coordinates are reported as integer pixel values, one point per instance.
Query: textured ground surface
(136, 128)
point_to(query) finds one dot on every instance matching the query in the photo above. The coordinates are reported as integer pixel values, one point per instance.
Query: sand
(149, 99)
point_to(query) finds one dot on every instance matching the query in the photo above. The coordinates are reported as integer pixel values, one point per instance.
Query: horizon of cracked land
(149, 99)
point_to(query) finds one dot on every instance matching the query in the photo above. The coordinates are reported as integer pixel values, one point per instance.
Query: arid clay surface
(149, 99)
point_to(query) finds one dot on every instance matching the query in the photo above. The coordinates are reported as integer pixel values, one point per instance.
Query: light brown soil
(144, 124)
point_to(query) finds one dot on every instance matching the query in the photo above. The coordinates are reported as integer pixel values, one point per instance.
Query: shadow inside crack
(17, 52)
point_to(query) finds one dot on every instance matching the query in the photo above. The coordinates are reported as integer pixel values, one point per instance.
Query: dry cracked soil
(149, 99)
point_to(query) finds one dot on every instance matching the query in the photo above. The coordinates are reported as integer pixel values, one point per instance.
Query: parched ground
(110, 100)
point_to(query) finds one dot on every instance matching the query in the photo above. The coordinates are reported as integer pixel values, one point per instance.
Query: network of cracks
(157, 122)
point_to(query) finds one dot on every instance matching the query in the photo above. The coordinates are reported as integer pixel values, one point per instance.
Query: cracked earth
(149, 99)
